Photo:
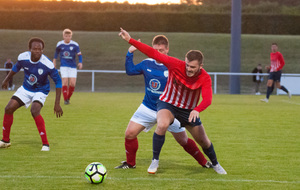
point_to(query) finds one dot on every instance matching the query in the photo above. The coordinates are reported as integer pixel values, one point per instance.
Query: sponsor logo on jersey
(32, 79)
(154, 84)
(40, 71)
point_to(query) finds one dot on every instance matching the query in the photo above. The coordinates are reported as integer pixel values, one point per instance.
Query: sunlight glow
(150, 2)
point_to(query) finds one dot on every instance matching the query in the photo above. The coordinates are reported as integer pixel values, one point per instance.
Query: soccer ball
(95, 172)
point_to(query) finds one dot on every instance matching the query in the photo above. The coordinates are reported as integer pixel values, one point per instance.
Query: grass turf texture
(257, 144)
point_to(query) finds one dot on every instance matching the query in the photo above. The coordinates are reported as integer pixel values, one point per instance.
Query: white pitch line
(287, 101)
(161, 179)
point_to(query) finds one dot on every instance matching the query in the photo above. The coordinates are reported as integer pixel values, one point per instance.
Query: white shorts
(147, 118)
(28, 97)
(68, 72)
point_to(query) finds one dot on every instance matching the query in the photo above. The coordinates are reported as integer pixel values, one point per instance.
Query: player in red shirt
(187, 80)
(277, 63)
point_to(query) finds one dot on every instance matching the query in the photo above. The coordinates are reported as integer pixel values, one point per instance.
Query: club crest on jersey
(32, 79)
(166, 73)
(66, 54)
(154, 84)
(40, 71)
(71, 48)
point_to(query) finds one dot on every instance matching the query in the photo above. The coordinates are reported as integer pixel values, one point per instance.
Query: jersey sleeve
(56, 78)
(56, 52)
(206, 92)
(132, 69)
(281, 60)
(168, 61)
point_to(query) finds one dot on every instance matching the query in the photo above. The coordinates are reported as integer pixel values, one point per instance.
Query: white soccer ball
(95, 172)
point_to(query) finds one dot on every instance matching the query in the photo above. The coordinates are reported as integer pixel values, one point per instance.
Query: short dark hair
(160, 40)
(274, 43)
(35, 39)
(195, 55)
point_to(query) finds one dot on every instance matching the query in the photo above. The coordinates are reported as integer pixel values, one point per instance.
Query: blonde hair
(67, 31)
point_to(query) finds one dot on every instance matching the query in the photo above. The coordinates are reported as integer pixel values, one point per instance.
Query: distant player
(187, 80)
(67, 50)
(36, 86)
(8, 65)
(276, 65)
(155, 77)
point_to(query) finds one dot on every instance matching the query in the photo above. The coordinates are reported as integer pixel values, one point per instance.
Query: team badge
(71, 48)
(40, 71)
(32, 79)
(154, 84)
(166, 73)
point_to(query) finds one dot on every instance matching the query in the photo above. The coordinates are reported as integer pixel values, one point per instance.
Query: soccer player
(276, 65)
(67, 50)
(187, 80)
(36, 86)
(155, 77)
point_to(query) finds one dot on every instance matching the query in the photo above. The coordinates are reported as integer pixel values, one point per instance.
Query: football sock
(40, 123)
(7, 123)
(210, 152)
(284, 89)
(70, 92)
(269, 92)
(65, 92)
(158, 142)
(131, 147)
(194, 151)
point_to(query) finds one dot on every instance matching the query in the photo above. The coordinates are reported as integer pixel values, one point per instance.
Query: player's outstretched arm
(57, 109)
(124, 34)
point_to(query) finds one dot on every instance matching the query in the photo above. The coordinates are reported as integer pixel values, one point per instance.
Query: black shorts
(275, 76)
(182, 115)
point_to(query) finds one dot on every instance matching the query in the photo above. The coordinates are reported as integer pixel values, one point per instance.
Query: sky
(136, 1)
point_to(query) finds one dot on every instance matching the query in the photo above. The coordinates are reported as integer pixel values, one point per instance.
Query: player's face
(274, 48)
(36, 51)
(67, 38)
(192, 67)
(161, 48)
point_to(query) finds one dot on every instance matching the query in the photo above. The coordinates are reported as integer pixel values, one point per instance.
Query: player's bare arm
(7, 79)
(124, 34)
(79, 66)
(54, 62)
(57, 108)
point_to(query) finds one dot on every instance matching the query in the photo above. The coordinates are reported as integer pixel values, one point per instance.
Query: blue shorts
(182, 115)
(275, 76)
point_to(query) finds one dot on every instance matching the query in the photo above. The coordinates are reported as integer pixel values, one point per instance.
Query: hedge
(162, 22)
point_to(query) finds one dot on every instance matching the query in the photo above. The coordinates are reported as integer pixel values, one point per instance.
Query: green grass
(106, 51)
(257, 143)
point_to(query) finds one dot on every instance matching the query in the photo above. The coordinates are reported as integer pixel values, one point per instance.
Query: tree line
(272, 7)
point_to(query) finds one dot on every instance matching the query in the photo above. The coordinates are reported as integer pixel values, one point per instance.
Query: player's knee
(130, 135)
(9, 109)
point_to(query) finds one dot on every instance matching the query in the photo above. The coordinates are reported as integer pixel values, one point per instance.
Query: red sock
(70, 92)
(131, 147)
(7, 123)
(65, 92)
(40, 123)
(194, 151)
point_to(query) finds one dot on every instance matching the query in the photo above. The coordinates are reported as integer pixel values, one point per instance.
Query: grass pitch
(257, 144)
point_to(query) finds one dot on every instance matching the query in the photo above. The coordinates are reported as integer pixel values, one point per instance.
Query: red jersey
(181, 91)
(277, 61)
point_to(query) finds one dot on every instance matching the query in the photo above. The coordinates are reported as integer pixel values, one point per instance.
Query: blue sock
(158, 142)
(210, 152)
(284, 89)
(269, 91)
